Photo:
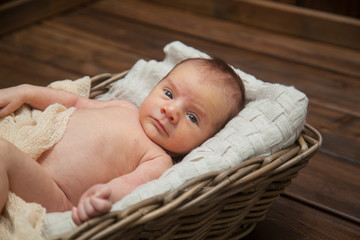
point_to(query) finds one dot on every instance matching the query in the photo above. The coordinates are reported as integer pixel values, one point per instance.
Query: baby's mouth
(160, 126)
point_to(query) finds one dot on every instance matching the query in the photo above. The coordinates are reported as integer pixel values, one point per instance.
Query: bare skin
(92, 151)
(109, 147)
(101, 131)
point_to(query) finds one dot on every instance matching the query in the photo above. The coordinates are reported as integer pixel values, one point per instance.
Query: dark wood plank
(287, 220)
(67, 50)
(16, 70)
(18, 13)
(116, 32)
(301, 22)
(340, 131)
(344, 7)
(330, 183)
(290, 48)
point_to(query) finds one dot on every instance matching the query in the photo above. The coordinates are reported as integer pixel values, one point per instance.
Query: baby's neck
(176, 157)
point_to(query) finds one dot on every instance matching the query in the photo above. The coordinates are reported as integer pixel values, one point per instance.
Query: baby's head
(190, 104)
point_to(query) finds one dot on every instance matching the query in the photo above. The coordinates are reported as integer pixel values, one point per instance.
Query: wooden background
(89, 38)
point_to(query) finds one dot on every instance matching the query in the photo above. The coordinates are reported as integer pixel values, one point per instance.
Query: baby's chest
(119, 147)
(126, 145)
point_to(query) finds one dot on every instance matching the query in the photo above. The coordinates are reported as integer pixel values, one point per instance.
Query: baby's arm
(38, 97)
(99, 198)
(41, 97)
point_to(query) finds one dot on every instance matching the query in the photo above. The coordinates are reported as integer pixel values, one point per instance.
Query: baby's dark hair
(228, 80)
(221, 65)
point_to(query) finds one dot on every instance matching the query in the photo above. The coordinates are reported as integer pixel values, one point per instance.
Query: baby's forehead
(205, 74)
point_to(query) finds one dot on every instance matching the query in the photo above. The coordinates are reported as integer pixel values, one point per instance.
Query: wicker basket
(218, 205)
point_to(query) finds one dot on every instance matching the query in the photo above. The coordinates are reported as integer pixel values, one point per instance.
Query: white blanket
(272, 120)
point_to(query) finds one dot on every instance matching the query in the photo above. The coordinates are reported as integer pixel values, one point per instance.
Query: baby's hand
(94, 202)
(10, 99)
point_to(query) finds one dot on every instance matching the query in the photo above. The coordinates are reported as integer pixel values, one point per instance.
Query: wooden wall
(294, 17)
(281, 17)
(350, 8)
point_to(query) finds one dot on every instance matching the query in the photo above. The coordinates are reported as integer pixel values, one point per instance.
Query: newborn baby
(111, 147)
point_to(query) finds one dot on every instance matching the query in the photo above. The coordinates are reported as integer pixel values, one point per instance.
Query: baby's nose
(171, 111)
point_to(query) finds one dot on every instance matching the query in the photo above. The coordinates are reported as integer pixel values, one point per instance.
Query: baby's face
(182, 111)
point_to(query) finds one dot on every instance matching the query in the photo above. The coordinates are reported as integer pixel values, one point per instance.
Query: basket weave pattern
(218, 205)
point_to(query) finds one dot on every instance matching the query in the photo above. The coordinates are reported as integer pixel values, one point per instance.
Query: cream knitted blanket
(34, 132)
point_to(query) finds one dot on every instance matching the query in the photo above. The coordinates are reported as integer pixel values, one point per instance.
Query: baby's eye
(192, 118)
(168, 94)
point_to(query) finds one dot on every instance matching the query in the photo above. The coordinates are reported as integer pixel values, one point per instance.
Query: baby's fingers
(75, 216)
(8, 107)
(88, 208)
(100, 205)
(83, 212)
(4, 108)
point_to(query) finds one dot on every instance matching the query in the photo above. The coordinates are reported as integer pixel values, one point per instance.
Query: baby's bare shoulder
(155, 167)
(158, 159)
